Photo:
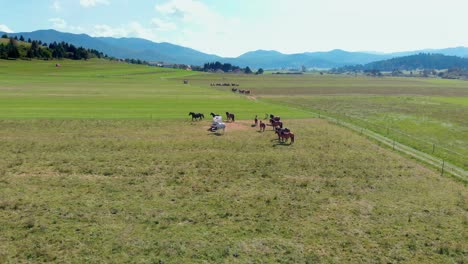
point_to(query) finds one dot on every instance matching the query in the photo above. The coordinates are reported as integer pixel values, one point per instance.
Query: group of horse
(275, 122)
(284, 134)
(240, 91)
(217, 124)
(224, 84)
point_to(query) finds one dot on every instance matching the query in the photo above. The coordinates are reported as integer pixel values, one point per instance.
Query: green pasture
(101, 163)
(101, 89)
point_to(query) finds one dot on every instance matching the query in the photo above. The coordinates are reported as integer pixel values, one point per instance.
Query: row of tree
(18, 49)
(227, 67)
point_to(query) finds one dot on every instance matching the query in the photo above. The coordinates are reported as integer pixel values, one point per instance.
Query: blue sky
(230, 28)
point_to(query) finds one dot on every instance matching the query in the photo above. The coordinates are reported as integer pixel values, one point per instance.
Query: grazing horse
(284, 135)
(213, 114)
(230, 116)
(234, 90)
(216, 126)
(276, 124)
(262, 126)
(196, 116)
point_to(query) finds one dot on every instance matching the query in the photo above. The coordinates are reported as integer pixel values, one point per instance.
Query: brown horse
(284, 135)
(262, 126)
(287, 135)
(230, 116)
(276, 118)
(276, 124)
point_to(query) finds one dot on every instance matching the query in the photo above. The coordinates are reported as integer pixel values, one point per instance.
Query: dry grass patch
(145, 191)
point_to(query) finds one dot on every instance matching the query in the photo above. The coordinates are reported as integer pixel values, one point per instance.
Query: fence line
(444, 166)
(433, 146)
(389, 129)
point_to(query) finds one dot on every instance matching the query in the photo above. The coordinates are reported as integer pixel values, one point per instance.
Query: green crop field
(100, 162)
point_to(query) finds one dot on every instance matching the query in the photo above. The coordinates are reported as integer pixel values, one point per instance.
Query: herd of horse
(240, 91)
(284, 134)
(224, 84)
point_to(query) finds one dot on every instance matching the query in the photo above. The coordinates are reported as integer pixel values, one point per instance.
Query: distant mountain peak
(137, 48)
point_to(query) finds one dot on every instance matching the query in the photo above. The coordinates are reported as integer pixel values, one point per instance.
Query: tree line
(36, 49)
(227, 67)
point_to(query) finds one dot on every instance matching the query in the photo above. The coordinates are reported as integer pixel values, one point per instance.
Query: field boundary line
(445, 167)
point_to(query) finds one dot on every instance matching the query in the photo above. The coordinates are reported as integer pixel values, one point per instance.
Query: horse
(262, 126)
(230, 116)
(276, 118)
(216, 126)
(213, 114)
(196, 116)
(275, 123)
(256, 120)
(284, 135)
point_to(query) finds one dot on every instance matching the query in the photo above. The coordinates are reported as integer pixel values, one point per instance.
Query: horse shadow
(283, 144)
(215, 134)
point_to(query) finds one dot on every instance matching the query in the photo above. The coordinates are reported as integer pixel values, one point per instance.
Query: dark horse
(275, 123)
(276, 118)
(213, 114)
(196, 116)
(284, 135)
(262, 126)
(230, 116)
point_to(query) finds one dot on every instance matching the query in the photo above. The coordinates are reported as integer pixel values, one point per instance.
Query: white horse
(217, 119)
(217, 126)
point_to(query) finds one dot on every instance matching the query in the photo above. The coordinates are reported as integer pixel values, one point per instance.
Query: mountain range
(143, 49)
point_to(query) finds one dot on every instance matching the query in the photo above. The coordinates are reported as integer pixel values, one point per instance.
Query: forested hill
(19, 48)
(413, 62)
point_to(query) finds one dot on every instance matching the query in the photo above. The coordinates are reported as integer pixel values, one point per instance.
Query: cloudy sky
(230, 28)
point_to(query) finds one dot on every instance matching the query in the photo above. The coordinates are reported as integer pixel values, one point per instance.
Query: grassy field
(427, 114)
(100, 163)
(144, 191)
(104, 90)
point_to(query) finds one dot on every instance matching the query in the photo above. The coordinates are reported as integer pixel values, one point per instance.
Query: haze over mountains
(142, 49)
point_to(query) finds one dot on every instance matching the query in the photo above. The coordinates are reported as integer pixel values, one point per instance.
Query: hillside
(412, 62)
(124, 47)
(166, 52)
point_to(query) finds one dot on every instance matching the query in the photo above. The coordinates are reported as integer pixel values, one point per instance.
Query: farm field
(146, 190)
(427, 114)
(101, 163)
(101, 89)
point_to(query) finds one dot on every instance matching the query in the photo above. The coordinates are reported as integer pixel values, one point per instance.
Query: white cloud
(92, 3)
(132, 29)
(102, 30)
(56, 6)
(161, 25)
(58, 23)
(190, 11)
(6, 29)
(198, 24)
